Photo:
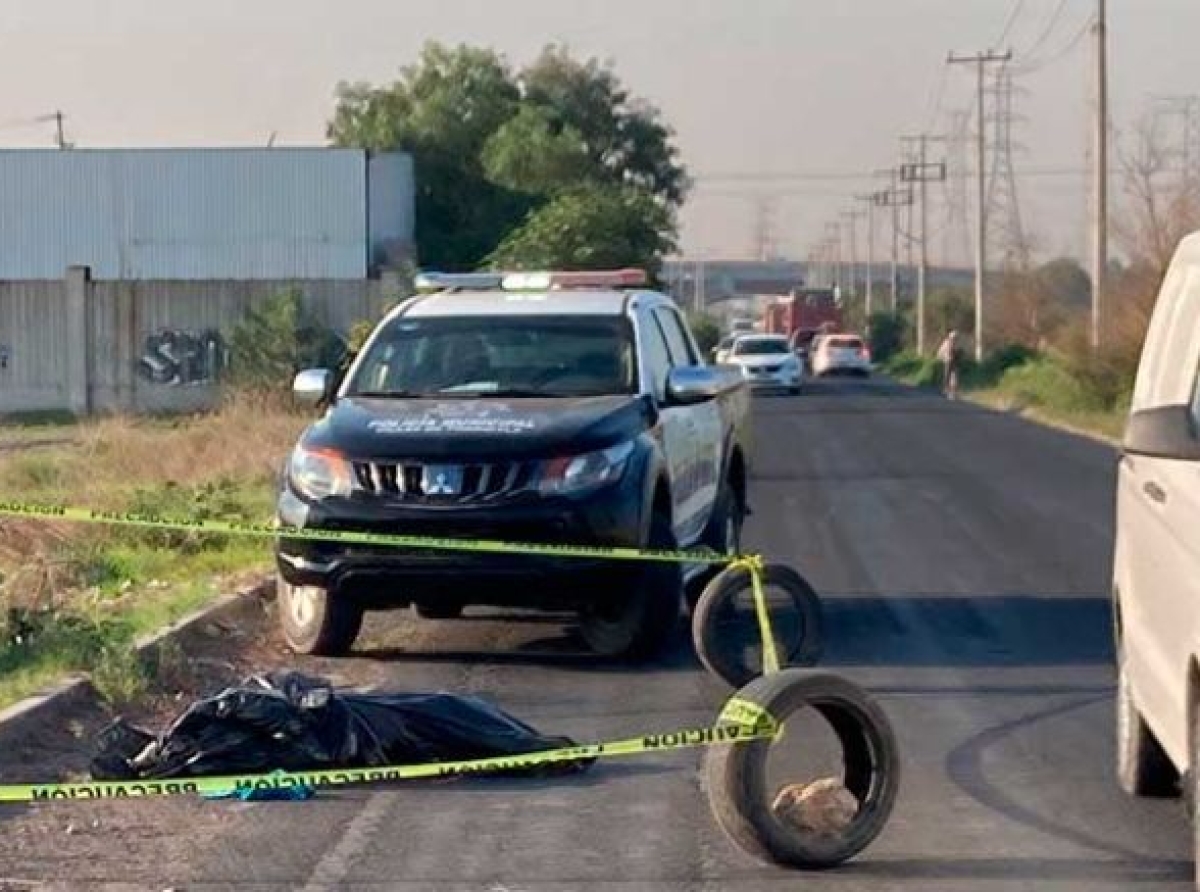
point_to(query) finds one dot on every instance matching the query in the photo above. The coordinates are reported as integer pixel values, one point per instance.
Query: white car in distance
(840, 353)
(767, 362)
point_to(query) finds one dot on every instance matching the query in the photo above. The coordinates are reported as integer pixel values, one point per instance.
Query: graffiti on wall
(181, 358)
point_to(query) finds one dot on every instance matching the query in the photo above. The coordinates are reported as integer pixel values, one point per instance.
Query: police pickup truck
(561, 408)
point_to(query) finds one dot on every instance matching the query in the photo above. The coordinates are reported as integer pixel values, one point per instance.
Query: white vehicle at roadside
(767, 362)
(1156, 572)
(840, 353)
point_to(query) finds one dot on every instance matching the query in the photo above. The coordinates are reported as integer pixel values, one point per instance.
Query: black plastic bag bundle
(291, 722)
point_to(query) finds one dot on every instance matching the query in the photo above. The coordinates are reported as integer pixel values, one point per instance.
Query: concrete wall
(85, 346)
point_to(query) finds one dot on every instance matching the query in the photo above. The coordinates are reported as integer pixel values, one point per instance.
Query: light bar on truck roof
(430, 282)
(555, 279)
(543, 280)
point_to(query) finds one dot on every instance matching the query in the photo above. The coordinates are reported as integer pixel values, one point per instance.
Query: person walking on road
(950, 356)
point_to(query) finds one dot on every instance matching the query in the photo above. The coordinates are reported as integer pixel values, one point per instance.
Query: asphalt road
(964, 558)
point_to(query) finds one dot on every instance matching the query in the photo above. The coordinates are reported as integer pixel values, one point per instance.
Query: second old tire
(725, 628)
(737, 776)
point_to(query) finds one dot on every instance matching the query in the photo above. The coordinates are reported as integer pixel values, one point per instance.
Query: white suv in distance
(840, 353)
(767, 362)
(1156, 574)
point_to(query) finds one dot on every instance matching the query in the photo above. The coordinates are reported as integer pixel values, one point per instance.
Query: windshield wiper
(388, 394)
(512, 392)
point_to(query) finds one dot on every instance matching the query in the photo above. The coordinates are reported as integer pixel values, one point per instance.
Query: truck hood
(477, 429)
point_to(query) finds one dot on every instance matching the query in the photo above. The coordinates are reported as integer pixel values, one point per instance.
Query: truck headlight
(579, 473)
(317, 473)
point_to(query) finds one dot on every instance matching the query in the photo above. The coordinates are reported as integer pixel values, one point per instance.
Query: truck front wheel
(636, 620)
(315, 622)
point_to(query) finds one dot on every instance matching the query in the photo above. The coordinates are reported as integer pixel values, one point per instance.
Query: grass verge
(75, 598)
(1040, 387)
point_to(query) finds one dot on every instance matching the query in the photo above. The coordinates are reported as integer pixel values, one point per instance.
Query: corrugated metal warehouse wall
(195, 214)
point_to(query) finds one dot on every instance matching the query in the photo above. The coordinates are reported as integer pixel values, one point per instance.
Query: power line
(1012, 20)
(1048, 30)
(1039, 64)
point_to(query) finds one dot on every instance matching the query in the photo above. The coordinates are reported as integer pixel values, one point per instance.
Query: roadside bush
(277, 339)
(886, 334)
(1048, 383)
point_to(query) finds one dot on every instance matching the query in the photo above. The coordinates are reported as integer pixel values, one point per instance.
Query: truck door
(675, 422)
(700, 474)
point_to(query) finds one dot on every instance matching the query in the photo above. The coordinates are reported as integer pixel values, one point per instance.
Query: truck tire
(314, 622)
(439, 610)
(737, 778)
(1143, 768)
(723, 535)
(638, 622)
(732, 657)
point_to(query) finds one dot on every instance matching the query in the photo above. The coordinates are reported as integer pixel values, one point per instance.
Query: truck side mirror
(697, 384)
(1165, 432)
(311, 387)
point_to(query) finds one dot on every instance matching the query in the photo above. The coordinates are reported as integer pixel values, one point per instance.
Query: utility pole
(923, 172)
(895, 199)
(980, 61)
(869, 200)
(852, 217)
(1100, 174)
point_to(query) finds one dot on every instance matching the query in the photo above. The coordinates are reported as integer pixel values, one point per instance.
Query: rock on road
(964, 558)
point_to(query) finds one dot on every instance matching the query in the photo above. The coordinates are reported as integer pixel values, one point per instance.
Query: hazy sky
(751, 86)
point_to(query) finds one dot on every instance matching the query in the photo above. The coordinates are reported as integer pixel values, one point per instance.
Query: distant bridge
(724, 280)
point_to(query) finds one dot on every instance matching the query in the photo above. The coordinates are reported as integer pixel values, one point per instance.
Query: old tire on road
(737, 781)
(725, 628)
(315, 622)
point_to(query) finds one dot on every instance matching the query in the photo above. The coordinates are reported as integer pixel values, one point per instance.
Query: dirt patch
(40, 844)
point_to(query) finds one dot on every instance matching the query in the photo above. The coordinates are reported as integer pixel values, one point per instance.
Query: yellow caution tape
(355, 537)
(751, 563)
(754, 566)
(761, 726)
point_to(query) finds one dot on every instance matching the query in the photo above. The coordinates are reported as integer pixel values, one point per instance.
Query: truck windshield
(527, 356)
(760, 347)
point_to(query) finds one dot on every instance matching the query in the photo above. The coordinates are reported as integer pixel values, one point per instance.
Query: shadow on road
(1105, 873)
(565, 651)
(967, 630)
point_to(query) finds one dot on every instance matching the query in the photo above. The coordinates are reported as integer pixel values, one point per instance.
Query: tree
(442, 110)
(493, 151)
(624, 137)
(587, 228)
(536, 154)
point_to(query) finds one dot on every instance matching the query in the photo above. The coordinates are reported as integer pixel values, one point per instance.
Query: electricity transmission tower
(1186, 110)
(1006, 227)
(766, 242)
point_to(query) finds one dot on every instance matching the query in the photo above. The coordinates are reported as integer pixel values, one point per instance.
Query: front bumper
(781, 379)
(385, 576)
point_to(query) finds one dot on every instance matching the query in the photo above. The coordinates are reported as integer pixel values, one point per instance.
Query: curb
(19, 721)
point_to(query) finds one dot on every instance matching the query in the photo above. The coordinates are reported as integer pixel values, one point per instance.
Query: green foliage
(1046, 383)
(623, 136)
(706, 330)
(589, 228)
(536, 154)
(277, 339)
(1064, 282)
(492, 148)
(949, 309)
(886, 334)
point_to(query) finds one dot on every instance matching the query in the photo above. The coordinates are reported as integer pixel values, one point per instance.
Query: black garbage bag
(292, 722)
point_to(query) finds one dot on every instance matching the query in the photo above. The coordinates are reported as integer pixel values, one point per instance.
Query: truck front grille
(429, 483)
